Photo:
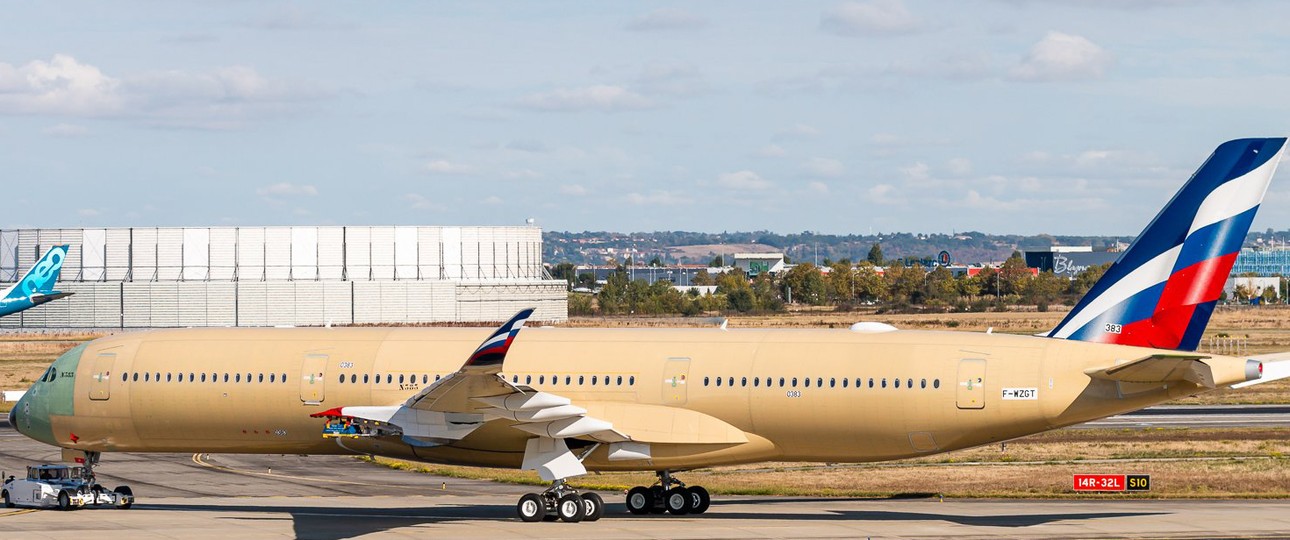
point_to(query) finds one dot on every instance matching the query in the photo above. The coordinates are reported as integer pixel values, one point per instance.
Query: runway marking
(20, 512)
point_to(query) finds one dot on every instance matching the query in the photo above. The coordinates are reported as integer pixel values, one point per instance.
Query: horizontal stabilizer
(1160, 368)
(1276, 366)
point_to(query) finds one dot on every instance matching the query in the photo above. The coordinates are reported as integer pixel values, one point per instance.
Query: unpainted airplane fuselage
(797, 395)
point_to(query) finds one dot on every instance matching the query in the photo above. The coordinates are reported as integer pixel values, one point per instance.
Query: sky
(1000, 116)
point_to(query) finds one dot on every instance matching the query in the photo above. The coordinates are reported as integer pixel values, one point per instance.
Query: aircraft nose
(26, 417)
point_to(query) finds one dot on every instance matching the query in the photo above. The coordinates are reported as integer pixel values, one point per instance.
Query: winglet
(493, 351)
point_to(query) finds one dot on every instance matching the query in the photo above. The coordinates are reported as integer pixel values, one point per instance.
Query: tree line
(845, 285)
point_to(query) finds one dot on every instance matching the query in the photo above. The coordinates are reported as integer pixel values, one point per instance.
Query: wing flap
(1160, 369)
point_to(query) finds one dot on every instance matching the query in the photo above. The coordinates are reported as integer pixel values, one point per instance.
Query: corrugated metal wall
(300, 276)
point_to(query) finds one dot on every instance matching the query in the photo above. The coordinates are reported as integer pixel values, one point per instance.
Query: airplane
(566, 401)
(36, 287)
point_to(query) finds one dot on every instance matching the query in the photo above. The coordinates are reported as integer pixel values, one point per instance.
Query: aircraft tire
(677, 501)
(593, 507)
(640, 500)
(531, 508)
(7, 503)
(699, 499)
(570, 508)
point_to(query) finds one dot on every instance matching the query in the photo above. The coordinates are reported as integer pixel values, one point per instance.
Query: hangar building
(150, 277)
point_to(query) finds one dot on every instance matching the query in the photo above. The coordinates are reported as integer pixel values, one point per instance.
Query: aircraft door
(675, 373)
(971, 383)
(101, 377)
(312, 381)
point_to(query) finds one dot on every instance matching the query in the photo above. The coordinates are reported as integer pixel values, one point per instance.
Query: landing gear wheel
(531, 508)
(640, 500)
(64, 500)
(592, 507)
(125, 494)
(699, 500)
(677, 501)
(570, 508)
(659, 493)
(7, 503)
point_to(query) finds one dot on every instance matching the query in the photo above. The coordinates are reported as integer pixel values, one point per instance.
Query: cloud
(573, 190)
(667, 20)
(824, 167)
(223, 98)
(88, 212)
(287, 189)
(66, 131)
(884, 194)
(417, 201)
(61, 86)
(601, 97)
(671, 79)
(873, 18)
(818, 187)
(959, 166)
(743, 180)
(771, 151)
(1063, 57)
(663, 198)
(443, 166)
(528, 145)
(491, 200)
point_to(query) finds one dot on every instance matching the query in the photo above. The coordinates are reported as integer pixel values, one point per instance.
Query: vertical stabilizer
(1162, 290)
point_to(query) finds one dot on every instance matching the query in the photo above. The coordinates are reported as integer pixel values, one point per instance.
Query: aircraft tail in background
(1161, 292)
(37, 285)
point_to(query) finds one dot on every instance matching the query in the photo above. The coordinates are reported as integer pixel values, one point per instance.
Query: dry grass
(1182, 463)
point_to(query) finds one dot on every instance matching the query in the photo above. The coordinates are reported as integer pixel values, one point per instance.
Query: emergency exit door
(675, 373)
(971, 383)
(101, 377)
(312, 381)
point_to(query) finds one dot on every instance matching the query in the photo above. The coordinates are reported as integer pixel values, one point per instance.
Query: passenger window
(237, 377)
(541, 379)
(515, 379)
(364, 378)
(936, 383)
(436, 377)
(620, 380)
(922, 383)
(718, 381)
(580, 380)
(781, 382)
(145, 376)
(593, 380)
(794, 382)
(353, 378)
(833, 382)
(705, 381)
(400, 378)
(631, 381)
(425, 378)
(272, 377)
(124, 376)
(260, 378)
(756, 381)
(819, 382)
(870, 382)
(896, 383)
(743, 381)
(528, 379)
(859, 382)
(389, 378)
(730, 381)
(248, 377)
(806, 382)
(203, 377)
(909, 383)
(155, 378)
(844, 383)
(568, 380)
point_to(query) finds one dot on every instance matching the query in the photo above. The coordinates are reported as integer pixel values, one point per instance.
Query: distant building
(1068, 261)
(1262, 262)
(758, 263)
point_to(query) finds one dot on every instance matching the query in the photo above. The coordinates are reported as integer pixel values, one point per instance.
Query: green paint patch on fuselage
(51, 395)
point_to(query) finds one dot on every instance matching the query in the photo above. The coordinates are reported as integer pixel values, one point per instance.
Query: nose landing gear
(668, 495)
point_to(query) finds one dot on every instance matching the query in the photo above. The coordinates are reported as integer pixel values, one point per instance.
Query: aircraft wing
(1160, 368)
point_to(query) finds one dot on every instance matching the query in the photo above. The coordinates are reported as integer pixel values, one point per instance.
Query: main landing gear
(668, 495)
(560, 502)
